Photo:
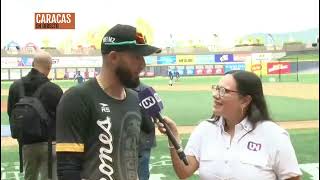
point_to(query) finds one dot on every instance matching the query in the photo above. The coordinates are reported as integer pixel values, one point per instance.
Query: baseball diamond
(180, 103)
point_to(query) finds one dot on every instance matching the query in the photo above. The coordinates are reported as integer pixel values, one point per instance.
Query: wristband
(172, 147)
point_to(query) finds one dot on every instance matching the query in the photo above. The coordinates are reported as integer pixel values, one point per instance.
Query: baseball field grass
(189, 101)
(304, 141)
(301, 57)
(189, 107)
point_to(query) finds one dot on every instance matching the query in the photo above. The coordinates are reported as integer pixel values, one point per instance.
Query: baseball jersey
(266, 153)
(104, 129)
(79, 78)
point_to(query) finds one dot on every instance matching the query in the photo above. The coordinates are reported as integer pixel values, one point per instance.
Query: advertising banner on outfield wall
(4, 74)
(190, 70)
(146, 74)
(199, 71)
(261, 56)
(51, 74)
(242, 57)
(279, 68)
(25, 61)
(223, 58)
(208, 70)
(166, 60)
(15, 74)
(185, 59)
(71, 72)
(204, 59)
(8, 62)
(150, 60)
(92, 72)
(257, 67)
(60, 72)
(81, 61)
(230, 67)
(180, 69)
(218, 69)
(24, 72)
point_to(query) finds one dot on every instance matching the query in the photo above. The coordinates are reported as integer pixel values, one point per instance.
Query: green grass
(285, 108)
(4, 98)
(284, 78)
(187, 108)
(62, 83)
(301, 57)
(192, 80)
(190, 107)
(4, 118)
(305, 142)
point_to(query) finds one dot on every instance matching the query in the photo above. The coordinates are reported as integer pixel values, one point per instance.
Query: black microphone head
(150, 101)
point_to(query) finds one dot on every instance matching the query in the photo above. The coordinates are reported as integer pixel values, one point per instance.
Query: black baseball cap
(126, 38)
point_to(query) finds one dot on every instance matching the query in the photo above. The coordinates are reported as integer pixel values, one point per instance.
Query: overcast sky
(195, 19)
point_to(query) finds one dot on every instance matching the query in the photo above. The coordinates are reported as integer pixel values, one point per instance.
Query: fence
(280, 70)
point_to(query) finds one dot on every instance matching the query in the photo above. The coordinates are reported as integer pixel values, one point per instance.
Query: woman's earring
(242, 111)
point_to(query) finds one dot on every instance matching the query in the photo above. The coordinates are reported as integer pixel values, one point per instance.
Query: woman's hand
(170, 123)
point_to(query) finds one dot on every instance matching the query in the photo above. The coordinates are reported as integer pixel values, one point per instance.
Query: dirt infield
(3, 106)
(8, 141)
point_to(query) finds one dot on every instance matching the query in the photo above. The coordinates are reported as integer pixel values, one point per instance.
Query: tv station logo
(54, 20)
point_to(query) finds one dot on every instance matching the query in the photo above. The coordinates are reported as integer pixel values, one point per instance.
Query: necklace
(105, 90)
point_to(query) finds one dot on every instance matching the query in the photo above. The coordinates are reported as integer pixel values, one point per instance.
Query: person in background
(177, 75)
(35, 150)
(170, 77)
(147, 141)
(79, 77)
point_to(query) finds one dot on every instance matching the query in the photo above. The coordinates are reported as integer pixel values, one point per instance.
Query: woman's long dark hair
(249, 83)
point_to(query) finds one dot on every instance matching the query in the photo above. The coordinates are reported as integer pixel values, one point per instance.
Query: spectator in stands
(240, 141)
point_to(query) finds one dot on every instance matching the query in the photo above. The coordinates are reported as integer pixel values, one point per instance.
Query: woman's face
(226, 99)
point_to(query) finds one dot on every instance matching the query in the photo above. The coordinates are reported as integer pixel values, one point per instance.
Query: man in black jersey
(98, 122)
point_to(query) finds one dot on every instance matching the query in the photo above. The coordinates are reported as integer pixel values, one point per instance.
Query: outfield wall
(187, 65)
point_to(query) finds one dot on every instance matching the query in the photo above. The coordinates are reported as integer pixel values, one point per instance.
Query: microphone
(152, 104)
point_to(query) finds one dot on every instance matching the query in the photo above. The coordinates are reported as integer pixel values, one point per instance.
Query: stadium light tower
(274, 45)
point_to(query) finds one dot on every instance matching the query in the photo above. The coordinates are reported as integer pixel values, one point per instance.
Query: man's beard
(125, 77)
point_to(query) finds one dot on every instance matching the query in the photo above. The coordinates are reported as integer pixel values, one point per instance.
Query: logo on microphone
(148, 102)
(157, 97)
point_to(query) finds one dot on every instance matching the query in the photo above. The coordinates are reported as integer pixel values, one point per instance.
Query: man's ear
(113, 57)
